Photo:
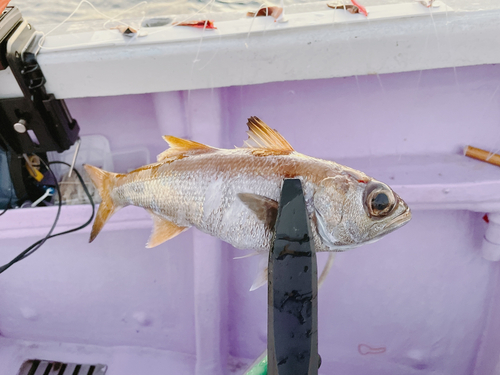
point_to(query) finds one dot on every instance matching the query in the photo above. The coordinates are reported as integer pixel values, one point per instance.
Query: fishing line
(326, 269)
(31, 249)
(335, 12)
(162, 29)
(494, 150)
(128, 10)
(215, 53)
(42, 39)
(96, 43)
(253, 19)
(201, 37)
(435, 28)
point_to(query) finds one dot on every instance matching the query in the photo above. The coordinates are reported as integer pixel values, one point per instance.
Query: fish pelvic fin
(163, 230)
(261, 278)
(264, 208)
(260, 135)
(104, 183)
(182, 147)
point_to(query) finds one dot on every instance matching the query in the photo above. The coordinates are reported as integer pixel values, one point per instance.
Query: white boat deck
(243, 51)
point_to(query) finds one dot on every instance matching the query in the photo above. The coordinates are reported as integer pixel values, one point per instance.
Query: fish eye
(379, 200)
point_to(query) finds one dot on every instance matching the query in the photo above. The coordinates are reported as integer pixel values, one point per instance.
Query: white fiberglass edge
(311, 45)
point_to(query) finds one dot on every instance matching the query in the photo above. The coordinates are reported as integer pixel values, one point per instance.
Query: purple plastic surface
(420, 301)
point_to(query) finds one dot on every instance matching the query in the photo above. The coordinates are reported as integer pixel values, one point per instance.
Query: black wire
(30, 250)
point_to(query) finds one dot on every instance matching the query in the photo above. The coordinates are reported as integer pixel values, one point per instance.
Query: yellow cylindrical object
(477, 153)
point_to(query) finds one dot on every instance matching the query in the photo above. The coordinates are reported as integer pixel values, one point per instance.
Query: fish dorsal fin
(260, 135)
(163, 230)
(179, 146)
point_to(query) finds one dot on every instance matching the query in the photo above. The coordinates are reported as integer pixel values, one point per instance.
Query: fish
(233, 194)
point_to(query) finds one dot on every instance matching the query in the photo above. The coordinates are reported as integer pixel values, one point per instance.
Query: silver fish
(234, 194)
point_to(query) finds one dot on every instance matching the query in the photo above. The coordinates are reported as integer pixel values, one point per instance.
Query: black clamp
(38, 122)
(35, 123)
(292, 333)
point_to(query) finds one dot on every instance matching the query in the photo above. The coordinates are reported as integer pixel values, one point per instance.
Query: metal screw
(20, 126)
(29, 26)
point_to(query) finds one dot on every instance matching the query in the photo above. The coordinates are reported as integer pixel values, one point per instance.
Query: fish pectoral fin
(179, 147)
(247, 255)
(265, 208)
(260, 135)
(260, 280)
(163, 230)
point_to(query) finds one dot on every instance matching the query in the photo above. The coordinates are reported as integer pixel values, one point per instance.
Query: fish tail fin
(104, 183)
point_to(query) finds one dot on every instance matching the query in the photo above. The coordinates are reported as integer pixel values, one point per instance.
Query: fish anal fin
(163, 230)
(104, 183)
(182, 147)
(260, 135)
(265, 208)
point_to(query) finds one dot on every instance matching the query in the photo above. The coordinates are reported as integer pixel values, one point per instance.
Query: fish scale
(182, 188)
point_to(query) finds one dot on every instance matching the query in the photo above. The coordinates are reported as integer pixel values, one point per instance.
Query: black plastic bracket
(38, 122)
(292, 344)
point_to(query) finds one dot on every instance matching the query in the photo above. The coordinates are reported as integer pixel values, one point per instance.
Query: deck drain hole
(40, 367)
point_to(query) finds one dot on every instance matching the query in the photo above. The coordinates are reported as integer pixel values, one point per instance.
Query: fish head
(352, 211)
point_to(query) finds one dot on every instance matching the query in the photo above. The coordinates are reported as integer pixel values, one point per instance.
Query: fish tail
(104, 183)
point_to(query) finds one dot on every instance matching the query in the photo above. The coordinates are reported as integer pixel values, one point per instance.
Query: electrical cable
(31, 249)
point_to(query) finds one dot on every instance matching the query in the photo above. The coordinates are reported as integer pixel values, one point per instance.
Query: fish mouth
(401, 219)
